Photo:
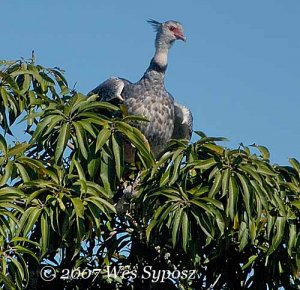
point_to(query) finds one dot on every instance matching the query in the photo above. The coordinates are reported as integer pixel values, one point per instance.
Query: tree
(201, 217)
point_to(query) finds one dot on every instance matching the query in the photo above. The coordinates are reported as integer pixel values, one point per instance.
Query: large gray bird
(149, 98)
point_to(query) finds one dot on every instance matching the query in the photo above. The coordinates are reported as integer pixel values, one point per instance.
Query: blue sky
(238, 71)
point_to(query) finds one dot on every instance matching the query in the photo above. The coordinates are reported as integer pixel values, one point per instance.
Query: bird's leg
(129, 152)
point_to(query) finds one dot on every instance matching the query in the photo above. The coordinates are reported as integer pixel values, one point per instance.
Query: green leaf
(218, 204)
(204, 164)
(225, 181)
(150, 227)
(88, 127)
(18, 149)
(62, 141)
(79, 168)
(280, 204)
(24, 250)
(11, 190)
(252, 172)
(185, 231)
(26, 84)
(246, 193)
(99, 105)
(251, 260)
(265, 169)
(96, 189)
(95, 219)
(102, 137)
(201, 204)
(203, 222)
(78, 206)
(292, 243)
(3, 145)
(123, 127)
(24, 240)
(243, 236)
(81, 139)
(295, 163)
(45, 232)
(19, 267)
(205, 139)
(176, 225)
(261, 193)
(233, 196)
(177, 158)
(141, 143)
(216, 185)
(23, 172)
(32, 163)
(7, 282)
(263, 150)
(296, 203)
(93, 167)
(252, 230)
(5, 97)
(56, 121)
(59, 76)
(280, 225)
(43, 125)
(165, 178)
(118, 155)
(10, 81)
(215, 148)
(103, 205)
(270, 225)
(61, 204)
(94, 118)
(105, 172)
(34, 214)
(7, 173)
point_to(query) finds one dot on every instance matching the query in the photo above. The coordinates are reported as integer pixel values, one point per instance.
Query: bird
(149, 98)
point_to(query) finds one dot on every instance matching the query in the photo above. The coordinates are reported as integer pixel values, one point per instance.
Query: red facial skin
(177, 33)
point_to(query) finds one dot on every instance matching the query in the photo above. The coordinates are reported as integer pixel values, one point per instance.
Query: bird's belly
(160, 113)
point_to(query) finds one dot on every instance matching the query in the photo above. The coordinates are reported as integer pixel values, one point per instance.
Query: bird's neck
(159, 62)
(161, 57)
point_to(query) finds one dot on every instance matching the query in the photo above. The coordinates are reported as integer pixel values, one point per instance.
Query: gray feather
(183, 122)
(155, 24)
(110, 89)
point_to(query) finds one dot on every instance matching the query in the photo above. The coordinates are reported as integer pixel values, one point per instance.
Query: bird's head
(167, 32)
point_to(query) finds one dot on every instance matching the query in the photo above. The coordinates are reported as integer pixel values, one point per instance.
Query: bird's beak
(180, 35)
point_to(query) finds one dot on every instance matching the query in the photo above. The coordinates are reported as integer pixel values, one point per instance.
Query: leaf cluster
(69, 199)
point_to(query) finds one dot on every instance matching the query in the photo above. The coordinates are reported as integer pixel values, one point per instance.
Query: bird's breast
(158, 107)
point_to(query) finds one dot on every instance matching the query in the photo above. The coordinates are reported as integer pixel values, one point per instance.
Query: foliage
(69, 200)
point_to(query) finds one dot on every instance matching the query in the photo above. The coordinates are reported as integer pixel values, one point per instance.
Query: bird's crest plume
(155, 24)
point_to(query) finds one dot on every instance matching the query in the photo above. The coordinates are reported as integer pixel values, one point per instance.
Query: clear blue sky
(239, 70)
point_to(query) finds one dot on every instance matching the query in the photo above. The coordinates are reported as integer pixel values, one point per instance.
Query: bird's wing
(183, 122)
(110, 89)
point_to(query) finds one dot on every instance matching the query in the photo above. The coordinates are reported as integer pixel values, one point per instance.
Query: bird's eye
(172, 28)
